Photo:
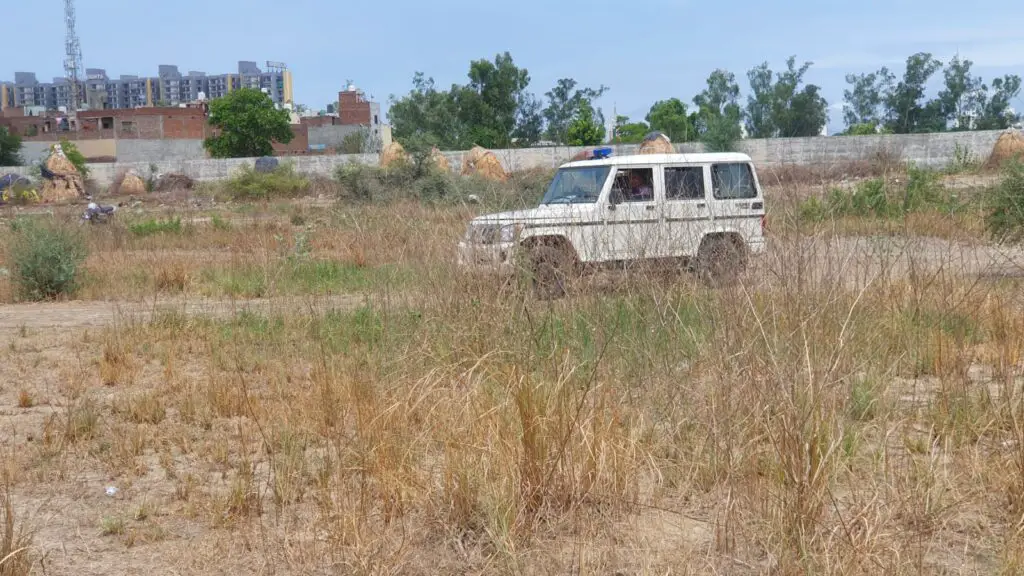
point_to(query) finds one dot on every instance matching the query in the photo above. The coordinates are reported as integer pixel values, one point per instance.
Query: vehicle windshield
(577, 185)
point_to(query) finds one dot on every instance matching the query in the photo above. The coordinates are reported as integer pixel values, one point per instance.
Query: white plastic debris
(111, 490)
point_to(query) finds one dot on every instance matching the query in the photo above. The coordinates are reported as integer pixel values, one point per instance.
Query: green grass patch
(152, 227)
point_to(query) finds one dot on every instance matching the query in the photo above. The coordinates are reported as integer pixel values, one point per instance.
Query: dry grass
(850, 407)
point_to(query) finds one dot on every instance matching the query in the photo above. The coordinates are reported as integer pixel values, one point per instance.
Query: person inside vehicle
(639, 188)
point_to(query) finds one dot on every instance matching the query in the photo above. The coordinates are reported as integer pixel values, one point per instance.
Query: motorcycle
(97, 214)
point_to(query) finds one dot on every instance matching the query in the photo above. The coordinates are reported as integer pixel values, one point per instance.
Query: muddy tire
(721, 260)
(553, 268)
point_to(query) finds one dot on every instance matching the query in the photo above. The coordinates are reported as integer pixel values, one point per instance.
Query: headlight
(509, 232)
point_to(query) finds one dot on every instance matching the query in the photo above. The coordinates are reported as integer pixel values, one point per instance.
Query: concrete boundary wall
(930, 150)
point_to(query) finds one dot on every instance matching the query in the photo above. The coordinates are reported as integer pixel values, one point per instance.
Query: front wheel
(552, 269)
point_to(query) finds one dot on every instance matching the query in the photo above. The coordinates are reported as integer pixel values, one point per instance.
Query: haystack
(131, 184)
(439, 160)
(61, 189)
(393, 153)
(656, 143)
(1009, 146)
(483, 162)
(60, 165)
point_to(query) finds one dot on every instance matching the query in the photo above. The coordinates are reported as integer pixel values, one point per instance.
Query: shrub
(152, 227)
(876, 199)
(1005, 218)
(45, 259)
(282, 182)
(74, 156)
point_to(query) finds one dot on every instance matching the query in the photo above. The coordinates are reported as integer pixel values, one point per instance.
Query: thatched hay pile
(393, 153)
(129, 183)
(1009, 146)
(60, 165)
(656, 143)
(61, 180)
(62, 189)
(483, 162)
(439, 160)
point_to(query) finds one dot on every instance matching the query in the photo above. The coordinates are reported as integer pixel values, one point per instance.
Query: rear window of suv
(733, 181)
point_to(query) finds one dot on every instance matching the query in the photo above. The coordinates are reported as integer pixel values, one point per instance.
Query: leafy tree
(760, 103)
(529, 121)
(489, 106)
(906, 111)
(424, 111)
(332, 108)
(10, 148)
(963, 95)
(585, 129)
(718, 112)
(864, 100)
(627, 132)
(248, 123)
(494, 110)
(995, 109)
(779, 108)
(670, 116)
(564, 102)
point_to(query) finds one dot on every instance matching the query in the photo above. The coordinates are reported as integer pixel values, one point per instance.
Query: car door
(632, 216)
(736, 201)
(686, 214)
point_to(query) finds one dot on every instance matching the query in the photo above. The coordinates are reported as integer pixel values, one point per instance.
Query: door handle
(701, 205)
(650, 207)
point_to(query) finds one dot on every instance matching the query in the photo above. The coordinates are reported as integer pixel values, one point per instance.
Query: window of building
(633, 185)
(684, 183)
(733, 181)
(106, 123)
(127, 126)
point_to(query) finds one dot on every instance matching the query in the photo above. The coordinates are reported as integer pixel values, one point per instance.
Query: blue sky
(644, 51)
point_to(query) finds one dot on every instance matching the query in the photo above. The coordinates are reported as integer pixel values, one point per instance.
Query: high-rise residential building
(168, 88)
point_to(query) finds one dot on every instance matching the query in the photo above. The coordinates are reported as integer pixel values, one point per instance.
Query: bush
(152, 227)
(74, 156)
(1005, 218)
(45, 258)
(876, 199)
(282, 182)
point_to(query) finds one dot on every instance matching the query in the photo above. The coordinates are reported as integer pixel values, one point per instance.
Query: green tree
(863, 101)
(426, 112)
(760, 103)
(248, 123)
(718, 112)
(906, 110)
(627, 132)
(529, 121)
(489, 107)
(780, 107)
(10, 148)
(995, 109)
(671, 117)
(563, 104)
(585, 129)
(962, 97)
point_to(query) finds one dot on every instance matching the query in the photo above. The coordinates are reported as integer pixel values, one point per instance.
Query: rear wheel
(721, 259)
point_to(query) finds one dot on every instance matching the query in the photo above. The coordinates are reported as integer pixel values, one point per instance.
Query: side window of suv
(684, 183)
(633, 185)
(733, 181)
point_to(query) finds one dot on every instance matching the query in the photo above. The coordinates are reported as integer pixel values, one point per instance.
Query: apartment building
(170, 87)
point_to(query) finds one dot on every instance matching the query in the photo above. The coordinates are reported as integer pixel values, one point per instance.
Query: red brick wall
(298, 145)
(353, 109)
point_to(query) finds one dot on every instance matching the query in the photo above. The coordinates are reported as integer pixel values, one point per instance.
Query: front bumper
(486, 257)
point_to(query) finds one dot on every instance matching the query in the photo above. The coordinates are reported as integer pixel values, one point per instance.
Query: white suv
(707, 209)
